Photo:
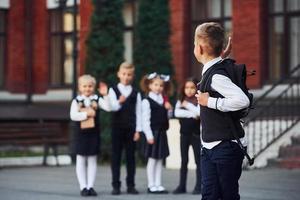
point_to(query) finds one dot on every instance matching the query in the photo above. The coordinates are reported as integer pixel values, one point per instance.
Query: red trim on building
(180, 40)
(40, 47)
(248, 37)
(86, 9)
(16, 70)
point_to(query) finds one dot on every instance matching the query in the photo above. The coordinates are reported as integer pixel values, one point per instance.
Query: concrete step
(295, 140)
(288, 163)
(289, 151)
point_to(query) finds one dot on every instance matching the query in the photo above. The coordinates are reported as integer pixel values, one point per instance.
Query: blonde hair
(87, 77)
(213, 37)
(126, 65)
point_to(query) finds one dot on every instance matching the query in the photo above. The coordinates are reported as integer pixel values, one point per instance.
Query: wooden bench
(46, 134)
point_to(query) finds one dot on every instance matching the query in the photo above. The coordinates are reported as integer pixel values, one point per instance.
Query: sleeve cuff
(212, 103)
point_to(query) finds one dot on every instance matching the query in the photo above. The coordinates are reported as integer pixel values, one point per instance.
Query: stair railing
(275, 112)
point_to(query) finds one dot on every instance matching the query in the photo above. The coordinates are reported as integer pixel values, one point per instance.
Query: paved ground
(59, 183)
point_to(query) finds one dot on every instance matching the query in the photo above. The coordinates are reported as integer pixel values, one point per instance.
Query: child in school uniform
(126, 127)
(155, 124)
(84, 111)
(188, 111)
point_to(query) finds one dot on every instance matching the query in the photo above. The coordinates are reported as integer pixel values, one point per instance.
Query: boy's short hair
(87, 77)
(213, 35)
(126, 65)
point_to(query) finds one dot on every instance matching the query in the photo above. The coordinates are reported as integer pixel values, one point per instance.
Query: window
(3, 24)
(129, 15)
(208, 10)
(61, 46)
(284, 37)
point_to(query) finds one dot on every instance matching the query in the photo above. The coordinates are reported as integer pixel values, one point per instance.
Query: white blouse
(76, 115)
(146, 113)
(190, 111)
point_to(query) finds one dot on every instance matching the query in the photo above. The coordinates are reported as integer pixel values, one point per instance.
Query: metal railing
(275, 113)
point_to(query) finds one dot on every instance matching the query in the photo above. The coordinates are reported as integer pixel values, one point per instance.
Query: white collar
(91, 97)
(210, 63)
(126, 87)
(156, 97)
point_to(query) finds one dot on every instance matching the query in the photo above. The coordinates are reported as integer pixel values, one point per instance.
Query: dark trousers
(221, 169)
(123, 139)
(187, 140)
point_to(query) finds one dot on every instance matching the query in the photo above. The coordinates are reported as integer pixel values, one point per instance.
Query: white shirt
(146, 113)
(76, 115)
(190, 111)
(234, 98)
(126, 90)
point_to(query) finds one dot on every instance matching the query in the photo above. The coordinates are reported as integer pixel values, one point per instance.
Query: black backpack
(238, 75)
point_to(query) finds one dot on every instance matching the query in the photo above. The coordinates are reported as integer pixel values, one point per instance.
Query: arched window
(284, 37)
(205, 11)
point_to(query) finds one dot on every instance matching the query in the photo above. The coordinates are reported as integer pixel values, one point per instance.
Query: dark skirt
(160, 148)
(87, 142)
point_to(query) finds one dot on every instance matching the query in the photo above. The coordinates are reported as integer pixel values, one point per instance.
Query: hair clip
(165, 78)
(151, 76)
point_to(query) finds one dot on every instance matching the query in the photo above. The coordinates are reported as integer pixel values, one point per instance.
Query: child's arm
(146, 116)
(114, 102)
(182, 113)
(75, 114)
(138, 111)
(104, 102)
(192, 108)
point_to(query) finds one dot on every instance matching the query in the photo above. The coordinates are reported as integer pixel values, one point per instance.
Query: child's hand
(136, 136)
(122, 99)
(151, 141)
(90, 112)
(225, 53)
(202, 98)
(102, 89)
(168, 106)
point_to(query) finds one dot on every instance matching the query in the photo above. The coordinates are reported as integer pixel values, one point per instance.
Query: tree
(105, 41)
(152, 49)
(105, 53)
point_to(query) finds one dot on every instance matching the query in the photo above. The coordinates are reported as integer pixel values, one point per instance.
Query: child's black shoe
(116, 191)
(92, 192)
(84, 192)
(196, 191)
(132, 190)
(179, 190)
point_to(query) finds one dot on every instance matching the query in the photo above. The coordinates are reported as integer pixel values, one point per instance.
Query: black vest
(96, 129)
(126, 116)
(159, 116)
(189, 125)
(217, 125)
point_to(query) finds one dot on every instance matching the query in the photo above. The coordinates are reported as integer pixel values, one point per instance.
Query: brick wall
(17, 68)
(180, 27)
(86, 9)
(40, 47)
(16, 73)
(249, 37)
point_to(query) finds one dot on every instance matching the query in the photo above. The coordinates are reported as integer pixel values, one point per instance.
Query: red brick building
(36, 41)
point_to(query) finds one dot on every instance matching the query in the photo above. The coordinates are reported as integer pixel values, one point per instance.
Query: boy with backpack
(219, 98)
